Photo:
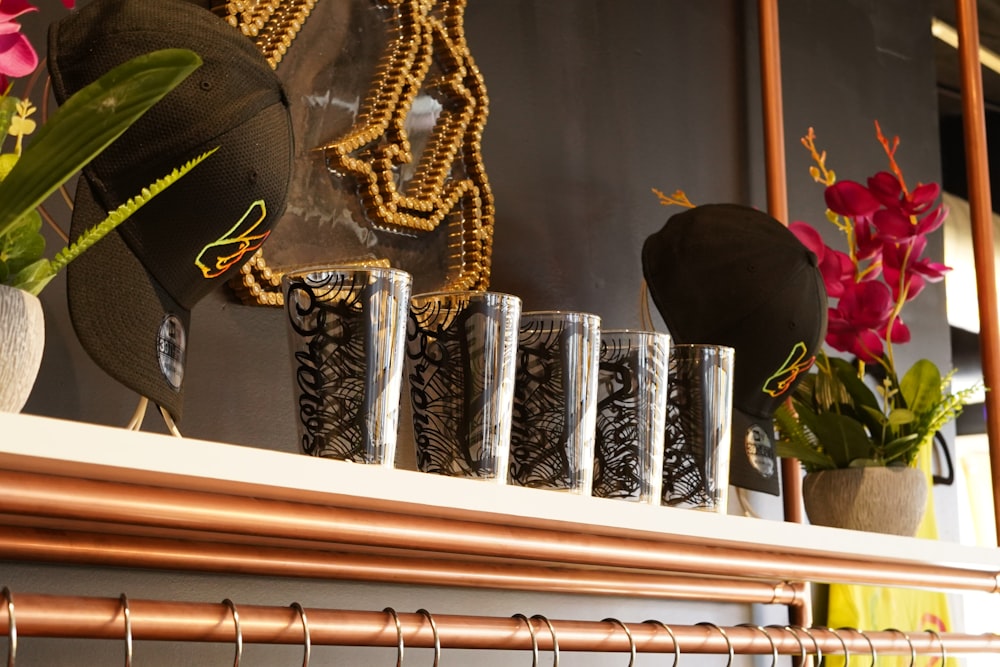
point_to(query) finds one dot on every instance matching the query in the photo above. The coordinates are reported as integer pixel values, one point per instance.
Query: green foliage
(80, 129)
(834, 420)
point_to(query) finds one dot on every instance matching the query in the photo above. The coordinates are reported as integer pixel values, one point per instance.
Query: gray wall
(592, 103)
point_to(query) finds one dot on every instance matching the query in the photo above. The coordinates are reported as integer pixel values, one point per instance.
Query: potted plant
(78, 131)
(856, 424)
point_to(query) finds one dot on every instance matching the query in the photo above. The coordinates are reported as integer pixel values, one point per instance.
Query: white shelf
(193, 471)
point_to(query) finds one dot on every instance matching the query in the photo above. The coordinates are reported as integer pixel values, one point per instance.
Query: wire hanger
(128, 629)
(867, 639)
(673, 637)
(944, 651)
(534, 639)
(11, 628)
(631, 640)
(803, 653)
(847, 654)
(729, 643)
(239, 631)
(306, 639)
(770, 640)
(913, 651)
(555, 638)
(399, 635)
(437, 637)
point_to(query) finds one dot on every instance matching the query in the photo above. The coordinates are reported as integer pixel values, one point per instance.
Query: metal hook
(819, 651)
(306, 639)
(239, 631)
(770, 640)
(913, 651)
(847, 653)
(534, 639)
(673, 637)
(803, 653)
(944, 651)
(11, 628)
(729, 643)
(399, 635)
(128, 629)
(555, 639)
(631, 640)
(437, 638)
(867, 639)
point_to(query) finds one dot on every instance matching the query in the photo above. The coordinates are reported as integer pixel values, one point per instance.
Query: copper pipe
(49, 501)
(102, 618)
(33, 545)
(981, 212)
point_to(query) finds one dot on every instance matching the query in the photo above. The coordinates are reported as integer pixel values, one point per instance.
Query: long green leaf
(87, 123)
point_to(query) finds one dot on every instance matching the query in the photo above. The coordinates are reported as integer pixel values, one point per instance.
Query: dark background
(592, 104)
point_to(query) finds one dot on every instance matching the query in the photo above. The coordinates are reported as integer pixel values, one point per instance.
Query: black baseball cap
(131, 294)
(726, 274)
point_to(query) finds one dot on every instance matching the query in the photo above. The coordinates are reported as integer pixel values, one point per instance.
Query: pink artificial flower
(868, 245)
(835, 266)
(860, 314)
(850, 198)
(17, 56)
(917, 271)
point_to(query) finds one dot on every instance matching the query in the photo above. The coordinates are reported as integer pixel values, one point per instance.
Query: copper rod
(44, 499)
(777, 195)
(103, 618)
(981, 212)
(33, 545)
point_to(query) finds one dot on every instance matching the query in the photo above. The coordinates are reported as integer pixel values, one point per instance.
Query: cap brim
(753, 464)
(118, 309)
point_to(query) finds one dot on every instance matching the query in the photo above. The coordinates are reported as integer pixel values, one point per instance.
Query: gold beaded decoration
(426, 51)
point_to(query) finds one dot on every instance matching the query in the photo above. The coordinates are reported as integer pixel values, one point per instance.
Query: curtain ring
(534, 639)
(729, 643)
(913, 651)
(437, 638)
(239, 631)
(631, 640)
(805, 652)
(128, 629)
(944, 651)
(770, 640)
(306, 639)
(867, 639)
(847, 653)
(677, 647)
(11, 628)
(555, 638)
(399, 635)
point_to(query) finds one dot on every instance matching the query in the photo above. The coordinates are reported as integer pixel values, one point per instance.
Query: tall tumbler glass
(555, 401)
(631, 415)
(699, 427)
(460, 362)
(347, 327)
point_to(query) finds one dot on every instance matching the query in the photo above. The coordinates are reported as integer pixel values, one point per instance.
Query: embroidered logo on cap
(795, 364)
(246, 242)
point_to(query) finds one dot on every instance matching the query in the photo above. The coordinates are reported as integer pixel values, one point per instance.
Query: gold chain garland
(423, 32)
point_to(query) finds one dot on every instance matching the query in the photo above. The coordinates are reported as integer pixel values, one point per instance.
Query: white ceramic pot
(878, 499)
(22, 340)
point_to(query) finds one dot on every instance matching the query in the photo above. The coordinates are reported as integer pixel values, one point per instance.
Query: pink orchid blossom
(17, 56)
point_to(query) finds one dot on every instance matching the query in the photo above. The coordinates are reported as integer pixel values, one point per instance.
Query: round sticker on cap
(171, 342)
(759, 450)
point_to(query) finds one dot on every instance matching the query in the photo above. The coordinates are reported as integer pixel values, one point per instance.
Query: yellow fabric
(878, 608)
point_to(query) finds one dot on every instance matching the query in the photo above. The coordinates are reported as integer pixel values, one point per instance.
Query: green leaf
(8, 106)
(34, 277)
(901, 417)
(87, 123)
(843, 438)
(921, 387)
(23, 244)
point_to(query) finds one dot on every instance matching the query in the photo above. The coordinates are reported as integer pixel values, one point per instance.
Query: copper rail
(72, 520)
(981, 212)
(104, 618)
